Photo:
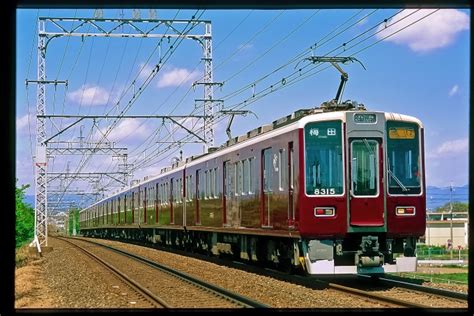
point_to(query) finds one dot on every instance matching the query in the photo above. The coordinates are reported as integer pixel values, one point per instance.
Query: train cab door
(366, 186)
(266, 187)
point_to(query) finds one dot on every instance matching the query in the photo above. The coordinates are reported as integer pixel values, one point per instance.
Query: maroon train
(336, 189)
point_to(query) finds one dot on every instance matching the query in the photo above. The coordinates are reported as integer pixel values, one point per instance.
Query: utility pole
(451, 216)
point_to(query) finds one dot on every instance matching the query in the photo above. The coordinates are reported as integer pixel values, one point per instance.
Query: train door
(157, 217)
(226, 192)
(138, 205)
(366, 187)
(266, 187)
(198, 197)
(171, 201)
(118, 211)
(144, 206)
(291, 187)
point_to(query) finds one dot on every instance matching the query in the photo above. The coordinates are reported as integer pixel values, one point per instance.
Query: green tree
(25, 217)
(73, 222)
(457, 207)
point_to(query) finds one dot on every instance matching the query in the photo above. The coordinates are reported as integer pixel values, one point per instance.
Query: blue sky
(422, 71)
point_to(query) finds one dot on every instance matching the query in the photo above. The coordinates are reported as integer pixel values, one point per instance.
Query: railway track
(460, 297)
(197, 293)
(379, 298)
(400, 293)
(141, 291)
(387, 300)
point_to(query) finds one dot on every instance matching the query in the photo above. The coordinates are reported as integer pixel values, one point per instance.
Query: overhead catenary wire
(247, 102)
(152, 135)
(333, 36)
(27, 92)
(301, 54)
(124, 89)
(130, 103)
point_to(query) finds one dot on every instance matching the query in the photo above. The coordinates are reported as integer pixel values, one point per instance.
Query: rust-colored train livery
(325, 190)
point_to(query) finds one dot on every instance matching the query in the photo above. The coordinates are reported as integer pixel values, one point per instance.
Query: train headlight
(405, 210)
(324, 211)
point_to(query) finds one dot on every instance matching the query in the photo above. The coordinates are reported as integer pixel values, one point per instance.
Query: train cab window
(364, 167)
(323, 158)
(403, 158)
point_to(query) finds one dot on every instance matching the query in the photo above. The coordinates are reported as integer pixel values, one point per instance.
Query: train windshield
(403, 156)
(323, 158)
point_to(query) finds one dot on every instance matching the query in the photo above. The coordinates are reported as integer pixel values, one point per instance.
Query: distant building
(59, 219)
(438, 229)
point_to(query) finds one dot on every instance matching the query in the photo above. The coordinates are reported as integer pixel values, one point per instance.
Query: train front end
(362, 194)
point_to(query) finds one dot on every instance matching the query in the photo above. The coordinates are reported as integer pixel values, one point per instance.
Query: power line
(147, 81)
(246, 102)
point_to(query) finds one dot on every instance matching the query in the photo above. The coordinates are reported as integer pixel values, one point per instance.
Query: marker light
(324, 211)
(405, 210)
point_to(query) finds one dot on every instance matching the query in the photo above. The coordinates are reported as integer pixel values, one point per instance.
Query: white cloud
(131, 129)
(453, 90)
(436, 31)
(145, 70)
(176, 77)
(22, 124)
(245, 46)
(89, 95)
(453, 147)
(363, 21)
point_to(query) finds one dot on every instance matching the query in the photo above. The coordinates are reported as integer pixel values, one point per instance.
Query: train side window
(281, 170)
(292, 167)
(251, 175)
(210, 183)
(205, 184)
(198, 184)
(267, 170)
(214, 182)
(245, 177)
(186, 185)
(216, 186)
(236, 179)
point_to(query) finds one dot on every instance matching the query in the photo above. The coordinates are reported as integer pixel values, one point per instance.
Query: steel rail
(373, 296)
(226, 294)
(462, 297)
(140, 289)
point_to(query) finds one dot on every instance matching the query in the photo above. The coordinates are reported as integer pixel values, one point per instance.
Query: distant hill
(435, 196)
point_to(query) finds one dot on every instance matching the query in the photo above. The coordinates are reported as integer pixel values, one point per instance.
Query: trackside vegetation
(25, 217)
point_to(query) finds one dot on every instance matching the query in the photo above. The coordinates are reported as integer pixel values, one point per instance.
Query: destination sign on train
(401, 133)
(365, 118)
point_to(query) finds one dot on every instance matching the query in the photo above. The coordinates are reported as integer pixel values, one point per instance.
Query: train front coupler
(369, 254)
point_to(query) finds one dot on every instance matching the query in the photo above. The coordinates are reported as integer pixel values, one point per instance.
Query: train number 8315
(325, 191)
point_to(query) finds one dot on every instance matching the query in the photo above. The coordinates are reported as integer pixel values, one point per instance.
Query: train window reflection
(364, 171)
(403, 156)
(323, 158)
